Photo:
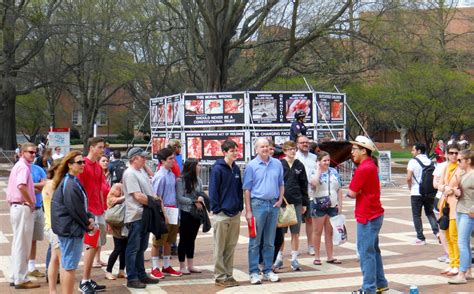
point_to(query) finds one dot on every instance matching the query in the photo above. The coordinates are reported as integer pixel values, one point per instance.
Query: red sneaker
(156, 274)
(170, 271)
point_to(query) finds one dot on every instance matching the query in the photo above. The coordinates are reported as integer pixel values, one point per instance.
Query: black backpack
(426, 181)
(116, 171)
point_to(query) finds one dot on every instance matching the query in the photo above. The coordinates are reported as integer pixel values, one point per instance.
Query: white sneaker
(271, 276)
(278, 264)
(419, 242)
(443, 258)
(311, 250)
(255, 279)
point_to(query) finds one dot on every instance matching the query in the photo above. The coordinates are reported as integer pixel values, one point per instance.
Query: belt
(19, 203)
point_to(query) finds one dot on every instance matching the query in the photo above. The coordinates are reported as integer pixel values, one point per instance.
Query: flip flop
(317, 262)
(334, 261)
(195, 271)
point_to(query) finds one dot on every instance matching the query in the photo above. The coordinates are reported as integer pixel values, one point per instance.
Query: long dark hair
(189, 174)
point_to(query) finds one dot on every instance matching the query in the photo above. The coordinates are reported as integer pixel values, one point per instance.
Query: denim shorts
(331, 211)
(71, 251)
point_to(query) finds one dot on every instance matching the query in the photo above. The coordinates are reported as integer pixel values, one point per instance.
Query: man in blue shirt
(263, 193)
(39, 177)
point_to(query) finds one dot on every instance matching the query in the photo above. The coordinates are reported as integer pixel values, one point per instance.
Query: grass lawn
(400, 154)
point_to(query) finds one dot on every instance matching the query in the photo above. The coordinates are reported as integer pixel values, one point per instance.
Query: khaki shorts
(38, 226)
(169, 237)
(53, 238)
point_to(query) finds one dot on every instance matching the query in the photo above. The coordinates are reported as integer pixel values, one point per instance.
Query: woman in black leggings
(115, 197)
(187, 186)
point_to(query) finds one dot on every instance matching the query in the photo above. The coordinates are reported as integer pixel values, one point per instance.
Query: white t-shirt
(417, 170)
(57, 156)
(438, 172)
(309, 162)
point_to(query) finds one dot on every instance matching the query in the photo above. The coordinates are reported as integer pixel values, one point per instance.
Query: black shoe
(136, 284)
(12, 284)
(97, 287)
(86, 287)
(148, 280)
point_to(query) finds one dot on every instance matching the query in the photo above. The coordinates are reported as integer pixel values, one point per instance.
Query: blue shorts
(331, 211)
(71, 251)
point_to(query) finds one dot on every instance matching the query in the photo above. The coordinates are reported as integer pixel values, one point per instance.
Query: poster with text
(59, 137)
(159, 141)
(165, 111)
(206, 146)
(277, 136)
(279, 107)
(324, 135)
(330, 108)
(209, 109)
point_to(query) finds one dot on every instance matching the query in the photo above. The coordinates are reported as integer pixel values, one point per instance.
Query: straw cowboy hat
(364, 142)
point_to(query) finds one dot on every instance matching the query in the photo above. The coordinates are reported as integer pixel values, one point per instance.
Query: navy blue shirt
(225, 189)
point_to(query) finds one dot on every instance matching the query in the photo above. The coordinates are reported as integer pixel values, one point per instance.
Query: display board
(210, 109)
(159, 141)
(330, 108)
(277, 136)
(60, 137)
(206, 146)
(385, 166)
(165, 111)
(323, 135)
(270, 108)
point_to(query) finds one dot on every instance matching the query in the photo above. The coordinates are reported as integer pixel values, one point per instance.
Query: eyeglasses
(453, 153)
(80, 162)
(290, 149)
(304, 142)
(355, 148)
(31, 152)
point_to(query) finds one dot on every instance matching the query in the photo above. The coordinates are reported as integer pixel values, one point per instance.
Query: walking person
(365, 189)
(116, 197)
(418, 201)
(296, 193)
(47, 193)
(22, 199)
(327, 202)
(225, 195)
(70, 218)
(465, 214)
(263, 193)
(188, 185)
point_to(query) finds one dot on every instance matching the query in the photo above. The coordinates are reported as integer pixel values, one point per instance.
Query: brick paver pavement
(405, 264)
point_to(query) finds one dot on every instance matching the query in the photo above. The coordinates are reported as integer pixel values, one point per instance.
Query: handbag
(324, 203)
(443, 221)
(287, 215)
(115, 215)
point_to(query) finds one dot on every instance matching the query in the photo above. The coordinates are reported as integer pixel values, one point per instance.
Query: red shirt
(92, 179)
(365, 182)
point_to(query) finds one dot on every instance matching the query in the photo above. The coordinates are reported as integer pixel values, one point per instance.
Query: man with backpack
(116, 168)
(420, 182)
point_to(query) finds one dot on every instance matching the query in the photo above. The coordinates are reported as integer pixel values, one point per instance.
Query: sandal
(317, 262)
(334, 261)
(194, 270)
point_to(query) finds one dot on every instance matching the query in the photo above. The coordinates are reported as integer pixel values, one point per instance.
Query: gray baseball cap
(137, 151)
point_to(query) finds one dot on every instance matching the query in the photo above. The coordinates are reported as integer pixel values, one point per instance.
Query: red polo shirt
(92, 179)
(365, 182)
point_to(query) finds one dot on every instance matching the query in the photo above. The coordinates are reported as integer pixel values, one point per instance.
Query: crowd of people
(76, 200)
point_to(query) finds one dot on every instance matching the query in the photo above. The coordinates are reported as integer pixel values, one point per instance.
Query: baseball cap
(137, 151)
(364, 142)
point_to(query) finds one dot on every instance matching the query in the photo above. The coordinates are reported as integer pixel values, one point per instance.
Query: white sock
(155, 262)
(280, 256)
(31, 265)
(166, 261)
(83, 281)
(294, 255)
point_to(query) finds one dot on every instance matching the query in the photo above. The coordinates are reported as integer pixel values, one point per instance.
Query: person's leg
(22, 221)
(185, 238)
(122, 259)
(309, 234)
(114, 255)
(328, 239)
(366, 248)
(67, 281)
(428, 203)
(89, 255)
(53, 269)
(453, 236)
(32, 257)
(221, 231)
(132, 249)
(464, 223)
(381, 281)
(258, 211)
(192, 244)
(416, 206)
(230, 244)
(48, 258)
(279, 242)
(269, 237)
(318, 225)
(140, 260)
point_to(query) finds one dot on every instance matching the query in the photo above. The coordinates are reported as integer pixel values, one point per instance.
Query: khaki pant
(226, 235)
(22, 220)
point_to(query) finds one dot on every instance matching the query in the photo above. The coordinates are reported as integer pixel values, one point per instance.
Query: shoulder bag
(287, 215)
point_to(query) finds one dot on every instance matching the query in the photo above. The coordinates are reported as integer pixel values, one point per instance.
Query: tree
(25, 27)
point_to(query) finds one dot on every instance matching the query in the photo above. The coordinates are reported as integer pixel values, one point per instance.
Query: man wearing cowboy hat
(365, 188)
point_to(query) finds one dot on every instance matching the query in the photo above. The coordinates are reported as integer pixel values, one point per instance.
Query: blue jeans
(465, 226)
(266, 221)
(134, 254)
(370, 258)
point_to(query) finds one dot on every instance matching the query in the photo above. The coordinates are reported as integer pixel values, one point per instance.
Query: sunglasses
(453, 153)
(31, 152)
(80, 162)
(460, 159)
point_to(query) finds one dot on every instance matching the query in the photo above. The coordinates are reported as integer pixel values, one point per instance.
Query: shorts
(71, 251)
(169, 237)
(100, 220)
(38, 226)
(52, 238)
(331, 211)
(295, 229)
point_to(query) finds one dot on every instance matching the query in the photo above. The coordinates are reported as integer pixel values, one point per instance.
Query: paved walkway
(405, 264)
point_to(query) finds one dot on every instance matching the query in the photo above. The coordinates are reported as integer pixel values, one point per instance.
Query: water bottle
(414, 289)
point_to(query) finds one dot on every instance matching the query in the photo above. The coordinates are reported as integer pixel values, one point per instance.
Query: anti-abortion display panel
(159, 141)
(277, 136)
(165, 111)
(270, 108)
(210, 109)
(330, 108)
(323, 135)
(206, 146)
